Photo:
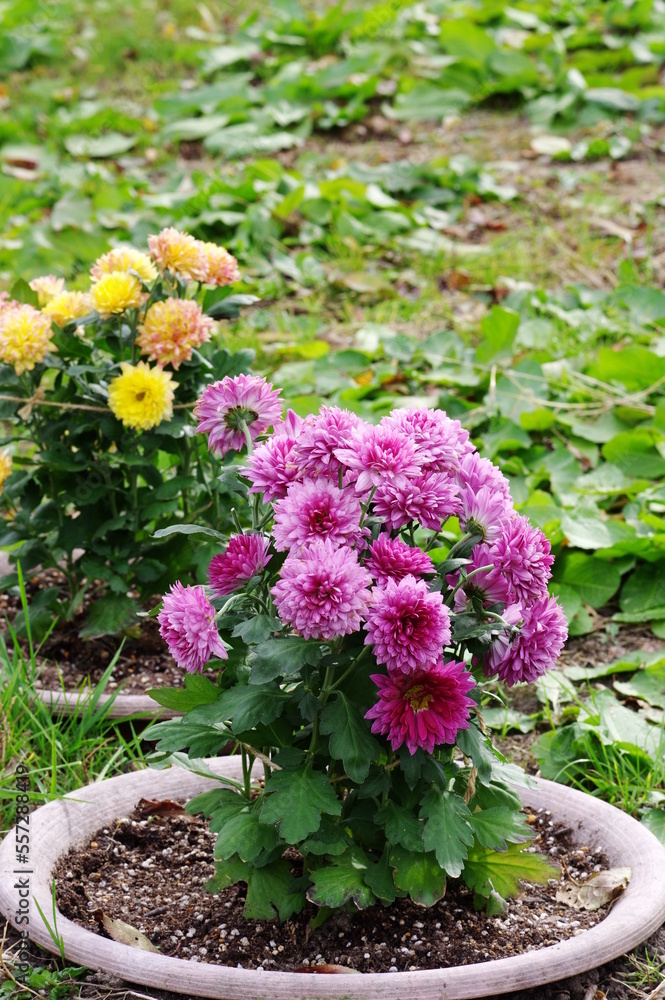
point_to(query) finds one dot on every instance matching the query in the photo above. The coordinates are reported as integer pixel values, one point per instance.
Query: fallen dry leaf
(125, 934)
(159, 807)
(332, 970)
(597, 891)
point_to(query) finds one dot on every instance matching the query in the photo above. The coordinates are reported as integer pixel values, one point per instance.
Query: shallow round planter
(124, 705)
(59, 825)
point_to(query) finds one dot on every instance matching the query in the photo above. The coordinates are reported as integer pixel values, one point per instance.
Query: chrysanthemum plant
(98, 389)
(346, 638)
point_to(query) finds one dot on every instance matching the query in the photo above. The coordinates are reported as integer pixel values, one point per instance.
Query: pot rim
(124, 705)
(69, 821)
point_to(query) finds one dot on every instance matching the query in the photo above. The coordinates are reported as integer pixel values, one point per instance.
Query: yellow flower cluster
(172, 329)
(116, 292)
(193, 260)
(124, 259)
(25, 337)
(141, 397)
(66, 306)
(47, 287)
(5, 468)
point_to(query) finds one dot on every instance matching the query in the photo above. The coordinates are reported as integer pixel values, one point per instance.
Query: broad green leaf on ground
(350, 738)
(635, 452)
(447, 831)
(342, 881)
(648, 685)
(500, 719)
(588, 532)
(269, 889)
(100, 147)
(296, 800)
(595, 580)
(498, 824)
(644, 590)
(109, 615)
(418, 874)
(618, 724)
(503, 871)
(498, 328)
(634, 367)
(654, 820)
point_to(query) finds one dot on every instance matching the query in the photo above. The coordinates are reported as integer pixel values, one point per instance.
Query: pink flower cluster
(346, 500)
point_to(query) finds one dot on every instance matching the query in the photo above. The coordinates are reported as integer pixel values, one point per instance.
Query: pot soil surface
(149, 870)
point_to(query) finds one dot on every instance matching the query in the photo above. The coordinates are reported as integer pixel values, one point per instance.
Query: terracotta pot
(124, 705)
(57, 826)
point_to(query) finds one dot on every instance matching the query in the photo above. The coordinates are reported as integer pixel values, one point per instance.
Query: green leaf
(22, 292)
(498, 327)
(634, 367)
(486, 870)
(109, 615)
(595, 580)
(328, 839)
(269, 888)
(198, 690)
(350, 737)
(587, 532)
(101, 146)
(257, 629)
(635, 452)
(190, 529)
(295, 800)
(283, 657)
(342, 881)
(644, 590)
(654, 820)
(246, 707)
(494, 826)
(401, 826)
(473, 744)
(447, 831)
(379, 877)
(418, 874)
(648, 685)
(245, 836)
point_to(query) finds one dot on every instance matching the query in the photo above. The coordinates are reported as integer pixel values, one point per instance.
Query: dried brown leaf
(599, 890)
(126, 934)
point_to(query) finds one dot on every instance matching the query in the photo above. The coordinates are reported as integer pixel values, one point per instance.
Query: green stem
(247, 761)
(349, 670)
(463, 579)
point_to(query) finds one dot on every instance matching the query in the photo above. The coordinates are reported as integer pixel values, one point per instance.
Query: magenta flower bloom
(424, 708)
(378, 455)
(428, 499)
(187, 624)
(523, 557)
(440, 442)
(392, 559)
(407, 625)
(526, 656)
(484, 513)
(475, 472)
(490, 586)
(322, 591)
(227, 407)
(316, 508)
(244, 557)
(320, 435)
(271, 467)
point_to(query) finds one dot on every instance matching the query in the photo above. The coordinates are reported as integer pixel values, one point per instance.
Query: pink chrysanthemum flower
(424, 708)
(290, 426)
(527, 655)
(176, 252)
(407, 625)
(523, 558)
(378, 455)
(316, 508)
(484, 513)
(216, 266)
(475, 472)
(227, 407)
(440, 442)
(320, 435)
(271, 467)
(243, 558)
(187, 624)
(392, 559)
(428, 499)
(487, 585)
(172, 329)
(322, 592)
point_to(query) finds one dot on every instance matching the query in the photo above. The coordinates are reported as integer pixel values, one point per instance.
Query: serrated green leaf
(109, 615)
(269, 888)
(502, 871)
(198, 690)
(296, 800)
(478, 748)
(342, 881)
(447, 831)
(496, 825)
(257, 629)
(283, 657)
(418, 874)
(350, 737)
(243, 835)
(401, 826)
(246, 707)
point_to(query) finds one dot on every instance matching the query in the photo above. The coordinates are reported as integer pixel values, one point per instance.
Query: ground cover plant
(468, 218)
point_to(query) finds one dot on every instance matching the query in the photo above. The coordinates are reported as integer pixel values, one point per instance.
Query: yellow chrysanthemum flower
(25, 337)
(5, 468)
(176, 252)
(115, 292)
(216, 265)
(124, 259)
(47, 287)
(68, 306)
(172, 329)
(142, 397)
